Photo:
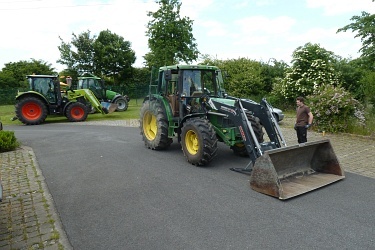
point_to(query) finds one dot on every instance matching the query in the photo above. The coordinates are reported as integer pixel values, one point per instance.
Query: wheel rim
(191, 142)
(150, 127)
(239, 145)
(31, 111)
(121, 104)
(77, 112)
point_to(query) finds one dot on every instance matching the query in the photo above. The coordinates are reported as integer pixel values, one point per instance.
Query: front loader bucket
(110, 107)
(291, 171)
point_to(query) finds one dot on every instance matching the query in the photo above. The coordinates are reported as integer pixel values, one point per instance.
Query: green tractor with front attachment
(98, 87)
(188, 102)
(45, 97)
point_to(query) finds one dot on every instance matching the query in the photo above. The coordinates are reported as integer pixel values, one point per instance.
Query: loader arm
(237, 115)
(262, 110)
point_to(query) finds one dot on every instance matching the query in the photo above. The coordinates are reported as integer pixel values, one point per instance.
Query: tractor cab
(97, 86)
(184, 86)
(93, 83)
(46, 85)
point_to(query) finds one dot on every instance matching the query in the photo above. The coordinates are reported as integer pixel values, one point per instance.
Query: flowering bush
(335, 109)
(312, 68)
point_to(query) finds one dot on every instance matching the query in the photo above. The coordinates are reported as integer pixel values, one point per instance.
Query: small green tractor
(97, 86)
(45, 97)
(189, 102)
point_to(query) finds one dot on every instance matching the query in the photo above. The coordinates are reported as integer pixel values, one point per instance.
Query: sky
(224, 29)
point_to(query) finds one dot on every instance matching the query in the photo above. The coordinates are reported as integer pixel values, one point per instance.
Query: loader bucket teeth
(294, 170)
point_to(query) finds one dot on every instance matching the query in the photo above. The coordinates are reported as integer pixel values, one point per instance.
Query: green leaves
(113, 55)
(170, 37)
(335, 109)
(14, 73)
(8, 141)
(364, 28)
(106, 55)
(312, 67)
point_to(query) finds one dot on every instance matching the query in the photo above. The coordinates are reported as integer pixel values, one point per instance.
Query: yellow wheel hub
(150, 127)
(191, 142)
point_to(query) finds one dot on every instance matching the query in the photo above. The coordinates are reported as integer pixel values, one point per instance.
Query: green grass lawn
(7, 112)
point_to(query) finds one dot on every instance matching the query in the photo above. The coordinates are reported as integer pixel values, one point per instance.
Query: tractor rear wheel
(31, 111)
(77, 112)
(122, 104)
(154, 126)
(199, 142)
(239, 148)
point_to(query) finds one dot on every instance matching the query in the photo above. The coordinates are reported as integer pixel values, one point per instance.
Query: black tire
(31, 111)
(239, 148)
(77, 112)
(154, 126)
(198, 141)
(122, 104)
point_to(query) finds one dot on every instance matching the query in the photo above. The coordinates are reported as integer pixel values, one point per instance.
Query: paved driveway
(113, 193)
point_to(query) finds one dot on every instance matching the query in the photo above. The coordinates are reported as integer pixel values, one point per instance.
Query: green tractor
(189, 102)
(45, 97)
(97, 86)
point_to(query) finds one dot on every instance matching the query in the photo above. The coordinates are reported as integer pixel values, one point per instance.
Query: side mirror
(168, 75)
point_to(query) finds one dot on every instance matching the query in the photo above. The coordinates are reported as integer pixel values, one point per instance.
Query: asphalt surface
(110, 192)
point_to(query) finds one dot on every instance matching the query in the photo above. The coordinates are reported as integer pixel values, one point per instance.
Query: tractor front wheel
(154, 126)
(76, 112)
(122, 104)
(31, 111)
(198, 141)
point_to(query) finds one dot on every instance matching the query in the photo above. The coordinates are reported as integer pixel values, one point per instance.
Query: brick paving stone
(27, 213)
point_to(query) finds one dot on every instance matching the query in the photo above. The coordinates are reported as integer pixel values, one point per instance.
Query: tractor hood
(229, 102)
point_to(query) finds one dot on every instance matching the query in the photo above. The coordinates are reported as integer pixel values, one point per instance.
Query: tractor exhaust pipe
(294, 170)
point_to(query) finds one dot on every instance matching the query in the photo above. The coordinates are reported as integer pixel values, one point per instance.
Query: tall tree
(170, 37)
(107, 55)
(79, 54)
(364, 26)
(113, 56)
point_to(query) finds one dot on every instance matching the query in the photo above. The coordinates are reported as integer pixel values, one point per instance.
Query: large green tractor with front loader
(45, 97)
(189, 103)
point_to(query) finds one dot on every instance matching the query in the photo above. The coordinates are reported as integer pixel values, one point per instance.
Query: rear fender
(33, 94)
(66, 106)
(113, 100)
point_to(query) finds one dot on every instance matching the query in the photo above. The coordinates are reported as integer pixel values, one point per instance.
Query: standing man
(303, 121)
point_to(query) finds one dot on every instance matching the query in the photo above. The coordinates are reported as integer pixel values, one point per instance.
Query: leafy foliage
(335, 109)
(246, 77)
(113, 55)
(170, 37)
(82, 57)
(14, 73)
(106, 55)
(312, 68)
(8, 141)
(364, 26)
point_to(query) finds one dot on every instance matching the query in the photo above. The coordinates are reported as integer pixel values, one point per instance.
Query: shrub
(8, 141)
(335, 110)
